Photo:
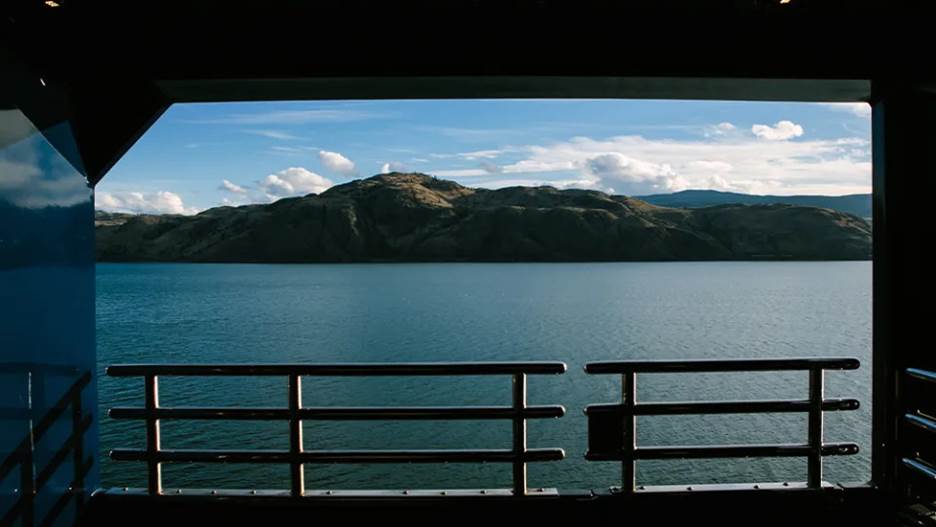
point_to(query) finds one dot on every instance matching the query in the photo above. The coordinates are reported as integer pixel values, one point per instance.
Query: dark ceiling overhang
(121, 64)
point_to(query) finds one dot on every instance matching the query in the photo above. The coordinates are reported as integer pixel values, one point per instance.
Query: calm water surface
(482, 312)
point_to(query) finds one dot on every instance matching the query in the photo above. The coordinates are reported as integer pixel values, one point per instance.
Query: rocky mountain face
(415, 217)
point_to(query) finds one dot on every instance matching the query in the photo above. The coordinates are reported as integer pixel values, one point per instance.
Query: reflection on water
(484, 312)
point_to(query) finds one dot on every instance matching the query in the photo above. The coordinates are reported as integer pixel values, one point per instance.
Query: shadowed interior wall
(48, 431)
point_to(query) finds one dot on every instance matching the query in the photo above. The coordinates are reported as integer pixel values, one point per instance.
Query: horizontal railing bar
(924, 375)
(714, 488)
(721, 365)
(922, 422)
(340, 369)
(234, 414)
(343, 413)
(727, 451)
(725, 407)
(408, 494)
(920, 467)
(738, 451)
(339, 456)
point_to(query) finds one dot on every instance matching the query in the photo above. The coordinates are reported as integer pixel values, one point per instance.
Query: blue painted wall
(47, 348)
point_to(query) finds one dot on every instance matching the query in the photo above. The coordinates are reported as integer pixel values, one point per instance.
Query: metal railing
(519, 455)
(918, 457)
(38, 419)
(613, 427)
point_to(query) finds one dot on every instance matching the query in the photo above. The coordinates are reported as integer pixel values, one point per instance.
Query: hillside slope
(415, 217)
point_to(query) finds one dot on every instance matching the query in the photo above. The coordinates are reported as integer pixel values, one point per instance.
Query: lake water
(204, 313)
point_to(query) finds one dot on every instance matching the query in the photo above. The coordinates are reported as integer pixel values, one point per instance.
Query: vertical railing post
(519, 435)
(154, 472)
(814, 470)
(296, 468)
(27, 455)
(629, 400)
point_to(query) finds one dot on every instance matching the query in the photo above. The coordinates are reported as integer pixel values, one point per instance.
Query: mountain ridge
(856, 204)
(416, 217)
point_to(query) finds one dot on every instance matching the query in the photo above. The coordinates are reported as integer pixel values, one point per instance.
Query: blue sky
(199, 156)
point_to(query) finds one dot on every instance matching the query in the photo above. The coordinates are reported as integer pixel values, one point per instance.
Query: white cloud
(232, 187)
(717, 182)
(491, 168)
(393, 166)
(293, 181)
(272, 134)
(781, 131)
(485, 168)
(711, 166)
(720, 129)
(619, 173)
(858, 109)
(460, 172)
(303, 150)
(163, 202)
(480, 154)
(739, 162)
(477, 154)
(337, 163)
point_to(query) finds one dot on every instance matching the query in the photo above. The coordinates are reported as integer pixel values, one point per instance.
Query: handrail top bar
(726, 451)
(497, 455)
(921, 421)
(762, 406)
(919, 373)
(921, 467)
(722, 365)
(351, 413)
(340, 369)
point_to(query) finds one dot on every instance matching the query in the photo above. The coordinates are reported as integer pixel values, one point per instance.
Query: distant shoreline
(444, 262)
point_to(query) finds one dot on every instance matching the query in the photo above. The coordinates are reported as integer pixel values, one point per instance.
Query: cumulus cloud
(163, 202)
(232, 187)
(636, 165)
(781, 131)
(293, 181)
(392, 166)
(720, 129)
(617, 172)
(337, 163)
(858, 109)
